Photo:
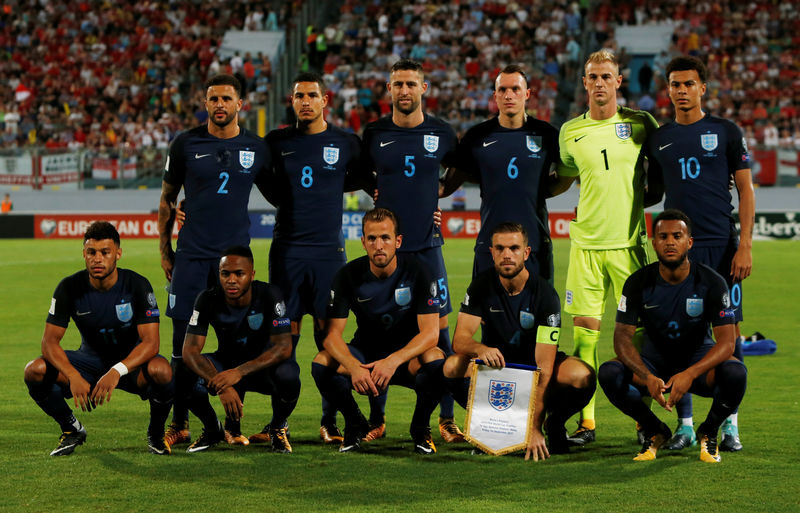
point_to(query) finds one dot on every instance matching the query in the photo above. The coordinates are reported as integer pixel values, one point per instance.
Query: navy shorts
(720, 258)
(91, 368)
(304, 283)
(401, 375)
(433, 261)
(262, 382)
(190, 277)
(665, 369)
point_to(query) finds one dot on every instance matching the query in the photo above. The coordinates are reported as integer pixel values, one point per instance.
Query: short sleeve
(60, 305)
(427, 293)
(718, 309)
(472, 304)
(201, 314)
(630, 301)
(144, 301)
(175, 167)
(567, 165)
(338, 303)
(736, 151)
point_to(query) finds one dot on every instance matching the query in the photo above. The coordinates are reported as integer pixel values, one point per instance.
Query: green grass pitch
(114, 472)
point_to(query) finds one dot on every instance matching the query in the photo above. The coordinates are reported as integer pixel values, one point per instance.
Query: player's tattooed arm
(166, 221)
(279, 350)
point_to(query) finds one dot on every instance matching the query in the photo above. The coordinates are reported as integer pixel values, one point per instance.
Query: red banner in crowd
(73, 226)
(467, 223)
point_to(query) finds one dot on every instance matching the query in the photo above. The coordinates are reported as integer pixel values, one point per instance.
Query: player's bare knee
(159, 371)
(455, 366)
(431, 355)
(35, 370)
(323, 358)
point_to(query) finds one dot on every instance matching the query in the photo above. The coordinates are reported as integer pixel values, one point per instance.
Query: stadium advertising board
(466, 224)
(73, 226)
(60, 169)
(16, 170)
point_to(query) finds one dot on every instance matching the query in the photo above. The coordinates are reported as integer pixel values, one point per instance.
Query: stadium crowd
(749, 48)
(75, 76)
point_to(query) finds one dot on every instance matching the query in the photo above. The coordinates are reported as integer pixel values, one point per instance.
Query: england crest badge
(694, 306)
(501, 394)
(255, 321)
(709, 142)
(534, 143)
(330, 155)
(247, 158)
(402, 296)
(430, 143)
(624, 130)
(526, 320)
(125, 312)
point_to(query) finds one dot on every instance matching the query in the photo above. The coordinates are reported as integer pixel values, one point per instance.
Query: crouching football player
(117, 316)
(676, 300)
(396, 305)
(254, 351)
(521, 318)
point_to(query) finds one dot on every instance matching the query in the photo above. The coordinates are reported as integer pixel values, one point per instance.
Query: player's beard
(411, 108)
(229, 117)
(384, 264)
(509, 275)
(673, 264)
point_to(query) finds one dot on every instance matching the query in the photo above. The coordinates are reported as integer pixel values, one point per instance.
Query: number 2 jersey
(698, 163)
(107, 320)
(217, 176)
(607, 156)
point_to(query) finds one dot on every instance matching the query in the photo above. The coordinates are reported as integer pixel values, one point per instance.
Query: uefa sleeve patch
(282, 322)
(52, 310)
(623, 304)
(195, 316)
(548, 335)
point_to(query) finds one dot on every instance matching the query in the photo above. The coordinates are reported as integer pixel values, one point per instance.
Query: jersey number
(224, 176)
(689, 167)
(512, 170)
(605, 157)
(410, 167)
(307, 180)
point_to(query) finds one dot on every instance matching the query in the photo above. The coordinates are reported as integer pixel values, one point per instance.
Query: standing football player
(697, 158)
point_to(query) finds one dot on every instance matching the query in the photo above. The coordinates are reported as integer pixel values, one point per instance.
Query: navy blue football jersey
(107, 320)
(512, 167)
(242, 333)
(217, 176)
(407, 162)
(676, 318)
(385, 309)
(697, 163)
(310, 176)
(514, 324)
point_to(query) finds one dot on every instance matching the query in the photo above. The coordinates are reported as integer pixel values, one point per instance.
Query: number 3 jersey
(606, 155)
(698, 163)
(217, 176)
(107, 320)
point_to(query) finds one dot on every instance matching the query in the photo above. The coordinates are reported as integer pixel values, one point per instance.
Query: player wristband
(121, 368)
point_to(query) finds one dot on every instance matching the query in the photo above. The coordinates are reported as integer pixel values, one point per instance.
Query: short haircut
(242, 251)
(223, 79)
(509, 227)
(310, 77)
(511, 69)
(602, 56)
(688, 63)
(101, 230)
(673, 214)
(378, 215)
(407, 65)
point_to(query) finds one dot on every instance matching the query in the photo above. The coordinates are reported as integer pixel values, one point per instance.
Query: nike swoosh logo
(387, 143)
(364, 300)
(81, 314)
(665, 146)
(198, 156)
(579, 138)
(495, 311)
(650, 307)
(284, 153)
(485, 144)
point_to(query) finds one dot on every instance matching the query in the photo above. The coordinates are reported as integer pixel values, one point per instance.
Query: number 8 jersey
(607, 156)
(217, 176)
